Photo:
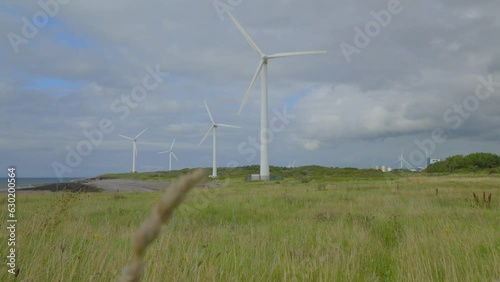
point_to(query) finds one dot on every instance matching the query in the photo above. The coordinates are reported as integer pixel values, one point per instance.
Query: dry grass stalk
(151, 227)
(476, 198)
(486, 201)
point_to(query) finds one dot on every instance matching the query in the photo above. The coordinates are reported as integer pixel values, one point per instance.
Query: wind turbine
(402, 160)
(214, 129)
(134, 147)
(171, 154)
(262, 70)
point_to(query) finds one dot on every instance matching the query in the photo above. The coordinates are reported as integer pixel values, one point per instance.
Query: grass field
(394, 229)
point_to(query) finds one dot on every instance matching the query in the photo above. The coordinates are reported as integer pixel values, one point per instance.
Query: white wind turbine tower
(134, 147)
(171, 154)
(262, 69)
(214, 129)
(402, 160)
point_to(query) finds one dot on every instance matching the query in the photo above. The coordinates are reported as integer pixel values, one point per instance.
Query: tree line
(472, 162)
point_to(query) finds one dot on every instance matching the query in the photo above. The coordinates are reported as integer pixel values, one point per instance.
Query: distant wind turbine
(214, 129)
(171, 154)
(262, 69)
(402, 160)
(134, 147)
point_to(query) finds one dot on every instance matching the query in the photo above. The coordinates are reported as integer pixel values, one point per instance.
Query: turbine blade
(290, 54)
(171, 146)
(164, 152)
(209, 114)
(252, 84)
(126, 137)
(227, 125)
(140, 133)
(174, 156)
(408, 165)
(206, 135)
(245, 34)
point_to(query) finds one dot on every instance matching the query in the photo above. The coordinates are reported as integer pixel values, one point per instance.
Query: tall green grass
(395, 230)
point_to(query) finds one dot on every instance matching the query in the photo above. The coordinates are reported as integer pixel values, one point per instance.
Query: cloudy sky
(411, 75)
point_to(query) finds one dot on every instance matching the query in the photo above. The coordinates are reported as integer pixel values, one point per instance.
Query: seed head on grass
(151, 227)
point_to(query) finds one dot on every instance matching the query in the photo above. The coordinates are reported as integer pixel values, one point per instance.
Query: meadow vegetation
(350, 226)
(302, 174)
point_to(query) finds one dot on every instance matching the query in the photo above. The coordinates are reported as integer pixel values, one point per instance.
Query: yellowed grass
(350, 231)
(151, 227)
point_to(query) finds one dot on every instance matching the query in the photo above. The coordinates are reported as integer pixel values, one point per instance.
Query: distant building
(383, 168)
(432, 161)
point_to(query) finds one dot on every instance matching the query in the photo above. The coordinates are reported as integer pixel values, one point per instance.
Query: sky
(422, 77)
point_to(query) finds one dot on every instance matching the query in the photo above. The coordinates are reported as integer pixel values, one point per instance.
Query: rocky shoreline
(73, 186)
(108, 185)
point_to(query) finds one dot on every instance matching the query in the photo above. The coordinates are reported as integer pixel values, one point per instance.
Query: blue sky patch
(292, 100)
(11, 10)
(68, 36)
(59, 86)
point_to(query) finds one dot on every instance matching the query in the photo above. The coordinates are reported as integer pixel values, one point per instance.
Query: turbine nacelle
(171, 154)
(213, 129)
(214, 125)
(134, 146)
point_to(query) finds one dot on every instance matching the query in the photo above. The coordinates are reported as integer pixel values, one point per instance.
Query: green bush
(472, 162)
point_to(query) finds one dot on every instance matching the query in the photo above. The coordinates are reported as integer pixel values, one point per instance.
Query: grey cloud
(396, 90)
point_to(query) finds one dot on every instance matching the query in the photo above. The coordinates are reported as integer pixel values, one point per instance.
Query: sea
(31, 182)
